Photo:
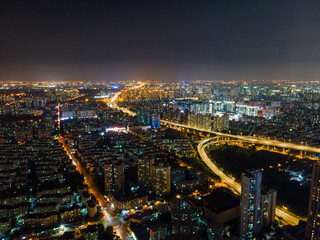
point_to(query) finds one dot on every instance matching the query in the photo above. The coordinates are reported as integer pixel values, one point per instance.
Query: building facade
(250, 205)
(268, 207)
(313, 223)
(161, 179)
(114, 176)
(145, 170)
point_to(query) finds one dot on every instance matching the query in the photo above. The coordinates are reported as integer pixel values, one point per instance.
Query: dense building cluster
(39, 187)
(76, 158)
(277, 109)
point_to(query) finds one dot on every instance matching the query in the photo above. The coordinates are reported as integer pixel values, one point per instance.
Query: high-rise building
(154, 120)
(241, 109)
(204, 121)
(252, 111)
(268, 207)
(118, 176)
(124, 94)
(221, 123)
(145, 170)
(161, 179)
(149, 118)
(158, 231)
(191, 119)
(114, 176)
(218, 106)
(229, 106)
(108, 177)
(171, 94)
(250, 215)
(183, 218)
(313, 229)
(185, 117)
(161, 94)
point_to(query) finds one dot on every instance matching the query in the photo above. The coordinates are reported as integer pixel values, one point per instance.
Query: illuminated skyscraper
(154, 120)
(161, 94)
(145, 165)
(171, 94)
(161, 179)
(124, 94)
(229, 106)
(250, 215)
(204, 121)
(114, 176)
(108, 179)
(149, 118)
(313, 224)
(221, 123)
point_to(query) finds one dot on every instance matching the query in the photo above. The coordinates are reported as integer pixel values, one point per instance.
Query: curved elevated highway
(254, 140)
(287, 217)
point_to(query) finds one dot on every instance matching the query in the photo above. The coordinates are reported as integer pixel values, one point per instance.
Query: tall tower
(145, 165)
(118, 176)
(313, 228)
(171, 94)
(161, 179)
(108, 177)
(114, 176)
(250, 215)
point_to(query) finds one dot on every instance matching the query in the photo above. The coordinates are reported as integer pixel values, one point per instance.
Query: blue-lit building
(250, 215)
(149, 118)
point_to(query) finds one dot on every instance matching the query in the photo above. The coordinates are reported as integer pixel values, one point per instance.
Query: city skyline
(159, 160)
(160, 120)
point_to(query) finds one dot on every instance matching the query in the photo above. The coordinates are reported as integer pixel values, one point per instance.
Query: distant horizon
(166, 81)
(159, 40)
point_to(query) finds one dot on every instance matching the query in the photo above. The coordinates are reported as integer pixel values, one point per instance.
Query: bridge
(249, 139)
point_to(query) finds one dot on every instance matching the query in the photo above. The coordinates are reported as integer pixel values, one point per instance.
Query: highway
(110, 219)
(254, 140)
(113, 101)
(287, 217)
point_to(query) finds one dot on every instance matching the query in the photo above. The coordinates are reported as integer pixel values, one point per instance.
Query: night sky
(159, 40)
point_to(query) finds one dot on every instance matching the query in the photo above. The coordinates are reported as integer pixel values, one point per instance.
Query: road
(113, 101)
(287, 217)
(254, 140)
(109, 218)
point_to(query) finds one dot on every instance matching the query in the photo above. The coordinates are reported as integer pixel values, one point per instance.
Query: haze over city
(159, 40)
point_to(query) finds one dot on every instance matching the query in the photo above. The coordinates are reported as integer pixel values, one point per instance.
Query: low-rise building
(61, 198)
(158, 231)
(5, 225)
(36, 220)
(90, 232)
(70, 214)
(122, 202)
(92, 208)
(16, 210)
(46, 207)
(184, 227)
